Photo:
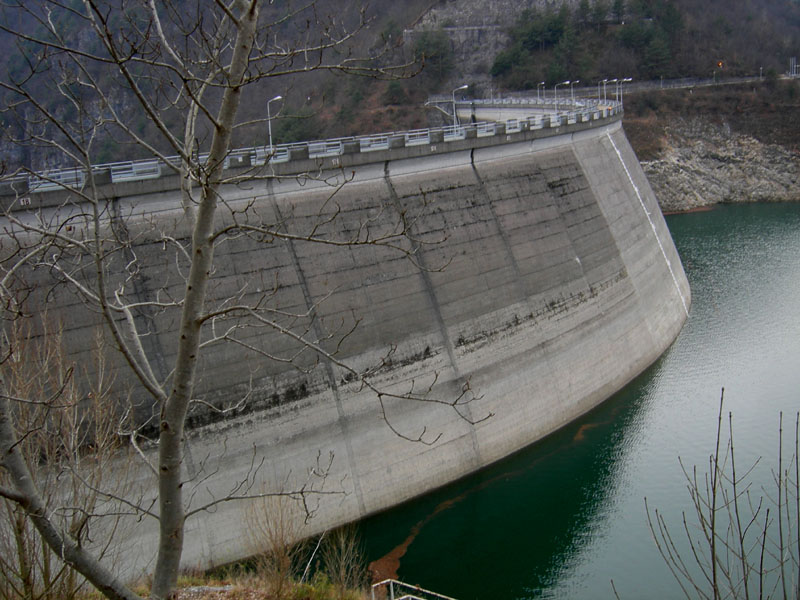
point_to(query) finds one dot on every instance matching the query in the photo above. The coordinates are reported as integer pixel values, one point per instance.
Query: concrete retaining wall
(540, 272)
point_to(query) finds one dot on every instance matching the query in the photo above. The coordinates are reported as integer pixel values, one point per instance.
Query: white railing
(485, 129)
(144, 169)
(454, 132)
(325, 148)
(392, 589)
(374, 142)
(418, 137)
(53, 180)
(152, 168)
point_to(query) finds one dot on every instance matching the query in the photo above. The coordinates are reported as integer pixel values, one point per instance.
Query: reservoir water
(566, 516)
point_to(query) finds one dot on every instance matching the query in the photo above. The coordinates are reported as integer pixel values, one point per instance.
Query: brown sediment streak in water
(579, 436)
(387, 566)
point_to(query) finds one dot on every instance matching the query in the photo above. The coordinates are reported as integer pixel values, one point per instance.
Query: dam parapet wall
(501, 121)
(528, 277)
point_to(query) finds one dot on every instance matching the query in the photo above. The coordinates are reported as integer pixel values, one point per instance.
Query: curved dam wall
(538, 275)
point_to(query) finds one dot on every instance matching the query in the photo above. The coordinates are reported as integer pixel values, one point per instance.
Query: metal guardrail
(591, 93)
(581, 110)
(546, 101)
(689, 82)
(584, 107)
(397, 590)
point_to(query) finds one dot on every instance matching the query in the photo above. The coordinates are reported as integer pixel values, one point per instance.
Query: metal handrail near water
(397, 590)
(580, 110)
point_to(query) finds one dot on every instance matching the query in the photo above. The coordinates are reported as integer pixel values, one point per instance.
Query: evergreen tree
(584, 14)
(599, 15)
(434, 50)
(618, 10)
(657, 57)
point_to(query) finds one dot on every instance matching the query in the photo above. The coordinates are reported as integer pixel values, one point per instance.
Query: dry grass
(647, 136)
(320, 589)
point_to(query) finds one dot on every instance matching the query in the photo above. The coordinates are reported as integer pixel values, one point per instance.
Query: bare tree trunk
(28, 497)
(24, 553)
(173, 414)
(192, 71)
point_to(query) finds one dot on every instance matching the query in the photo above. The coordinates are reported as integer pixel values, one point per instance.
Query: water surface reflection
(564, 517)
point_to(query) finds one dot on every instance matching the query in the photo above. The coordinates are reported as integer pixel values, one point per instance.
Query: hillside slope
(514, 45)
(718, 144)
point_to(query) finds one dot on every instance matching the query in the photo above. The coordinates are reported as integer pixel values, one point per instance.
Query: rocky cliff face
(475, 13)
(478, 32)
(704, 163)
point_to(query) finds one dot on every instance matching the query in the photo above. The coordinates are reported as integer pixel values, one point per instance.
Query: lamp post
(619, 87)
(605, 81)
(539, 85)
(269, 120)
(572, 91)
(455, 115)
(555, 93)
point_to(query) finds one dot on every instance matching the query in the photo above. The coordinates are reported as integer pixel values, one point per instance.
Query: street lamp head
(455, 114)
(269, 119)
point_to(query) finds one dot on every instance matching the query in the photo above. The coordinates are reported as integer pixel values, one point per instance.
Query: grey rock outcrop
(472, 13)
(706, 163)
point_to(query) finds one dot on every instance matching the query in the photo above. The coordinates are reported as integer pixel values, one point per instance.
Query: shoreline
(706, 208)
(715, 205)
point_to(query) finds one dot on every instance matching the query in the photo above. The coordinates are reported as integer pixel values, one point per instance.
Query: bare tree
(68, 435)
(343, 556)
(275, 532)
(168, 79)
(739, 539)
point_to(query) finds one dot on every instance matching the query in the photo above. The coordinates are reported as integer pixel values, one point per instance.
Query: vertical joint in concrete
(502, 232)
(329, 372)
(430, 292)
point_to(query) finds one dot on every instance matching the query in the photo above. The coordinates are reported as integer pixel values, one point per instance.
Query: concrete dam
(536, 279)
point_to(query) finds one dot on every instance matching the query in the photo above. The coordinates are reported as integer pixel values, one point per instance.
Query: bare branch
(167, 80)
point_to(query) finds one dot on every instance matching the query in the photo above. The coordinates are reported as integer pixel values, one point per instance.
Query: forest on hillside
(315, 101)
(649, 39)
(586, 40)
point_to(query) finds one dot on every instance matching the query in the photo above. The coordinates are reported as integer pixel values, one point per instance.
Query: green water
(566, 516)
